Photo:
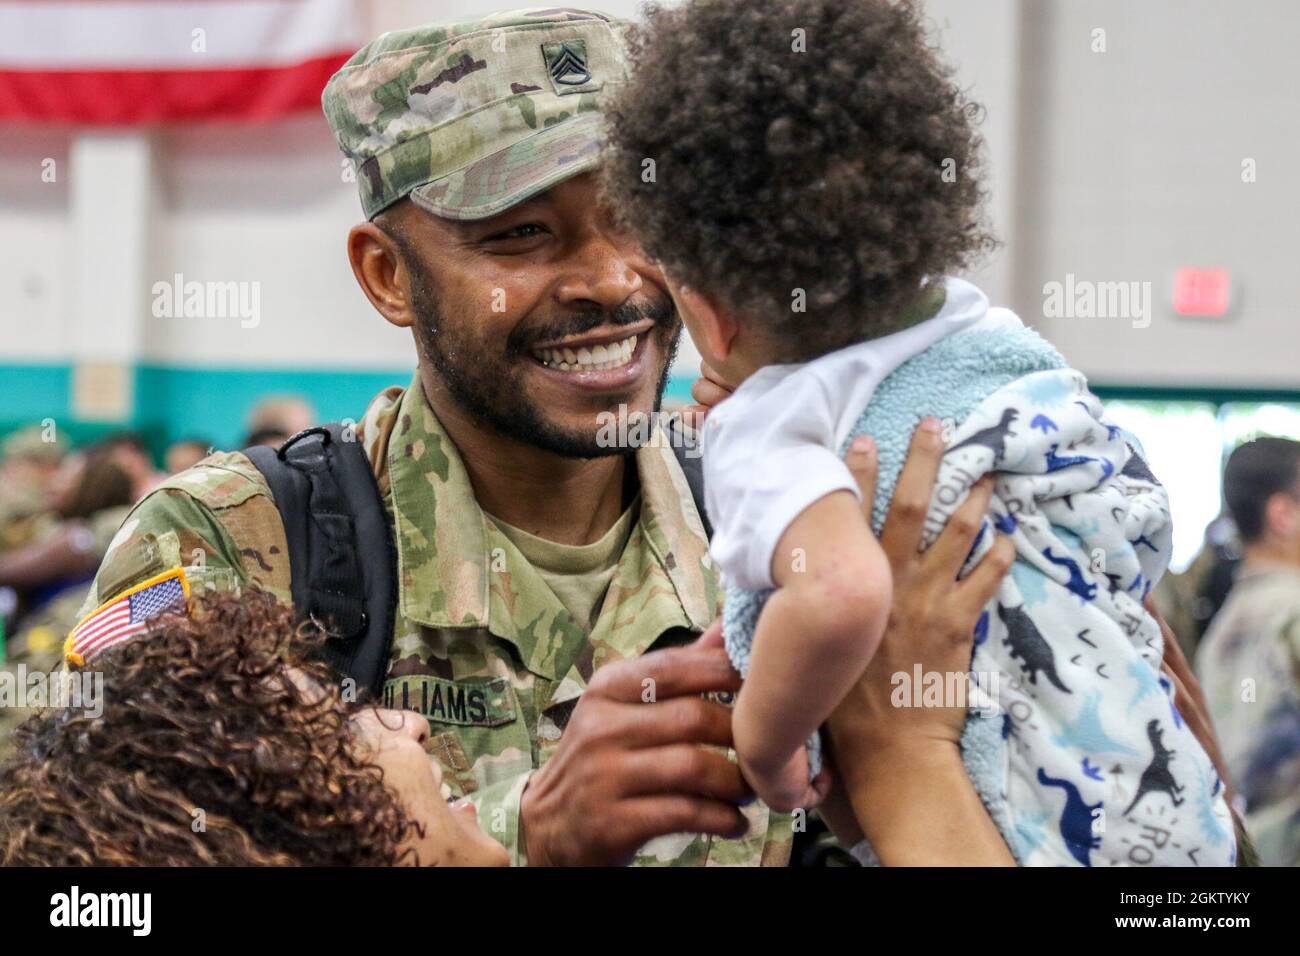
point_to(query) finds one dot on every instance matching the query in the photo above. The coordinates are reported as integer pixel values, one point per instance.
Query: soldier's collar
(444, 563)
(674, 530)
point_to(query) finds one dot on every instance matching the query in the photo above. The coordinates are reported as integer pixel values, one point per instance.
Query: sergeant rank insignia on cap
(126, 615)
(566, 62)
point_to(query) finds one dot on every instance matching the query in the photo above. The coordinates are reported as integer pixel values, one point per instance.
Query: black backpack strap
(687, 451)
(342, 562)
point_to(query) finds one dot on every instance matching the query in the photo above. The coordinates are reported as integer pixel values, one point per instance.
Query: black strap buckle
(321, 430)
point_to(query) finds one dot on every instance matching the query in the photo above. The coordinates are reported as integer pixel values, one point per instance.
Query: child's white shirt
(772, 448)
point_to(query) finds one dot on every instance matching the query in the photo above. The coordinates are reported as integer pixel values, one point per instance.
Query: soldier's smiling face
(540, 319)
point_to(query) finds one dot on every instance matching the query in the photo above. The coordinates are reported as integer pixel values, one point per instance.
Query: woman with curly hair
(222, 742)
(807, 173)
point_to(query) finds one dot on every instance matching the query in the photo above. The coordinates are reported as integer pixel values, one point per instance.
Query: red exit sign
(1202, 293)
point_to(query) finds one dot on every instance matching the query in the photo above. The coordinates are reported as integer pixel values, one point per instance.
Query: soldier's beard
(492, 390)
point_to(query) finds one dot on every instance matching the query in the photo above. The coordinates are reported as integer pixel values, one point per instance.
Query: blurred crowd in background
(60, 507)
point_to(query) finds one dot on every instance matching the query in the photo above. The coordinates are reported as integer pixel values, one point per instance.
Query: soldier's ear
(381, 272)
(1282, 515)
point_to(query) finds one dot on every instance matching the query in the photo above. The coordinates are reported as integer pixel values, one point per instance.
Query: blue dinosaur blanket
(1074, 745)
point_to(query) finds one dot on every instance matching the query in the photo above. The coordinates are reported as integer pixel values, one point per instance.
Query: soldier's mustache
(664, 316)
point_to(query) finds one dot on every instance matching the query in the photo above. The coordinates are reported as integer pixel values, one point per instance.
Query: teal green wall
(173, 402)
(209, 403)
(35, 391)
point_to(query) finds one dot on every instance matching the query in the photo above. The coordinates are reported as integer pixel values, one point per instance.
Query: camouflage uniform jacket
(481, 646)
(1249, 663)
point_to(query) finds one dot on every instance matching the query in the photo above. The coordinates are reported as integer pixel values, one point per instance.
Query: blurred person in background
(184, 454)
(1250, 657)
(89, 491)
(275, 419)
(28, 462)
(130, 453)
(270, 437)
(91, 494)
(1190, 600)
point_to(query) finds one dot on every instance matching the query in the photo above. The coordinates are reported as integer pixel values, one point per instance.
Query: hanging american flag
(126, 615)
(137, 62)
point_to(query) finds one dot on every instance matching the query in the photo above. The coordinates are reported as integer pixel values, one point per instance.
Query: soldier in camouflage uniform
(1250, 657)
(504, 265)
(37, 644)
(29, 458)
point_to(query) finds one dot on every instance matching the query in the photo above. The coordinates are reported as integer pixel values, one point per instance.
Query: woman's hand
(933, 616)
(899, 768)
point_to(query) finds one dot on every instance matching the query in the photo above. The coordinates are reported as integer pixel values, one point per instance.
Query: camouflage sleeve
(217, 520)
(498, 814)
(767, 843)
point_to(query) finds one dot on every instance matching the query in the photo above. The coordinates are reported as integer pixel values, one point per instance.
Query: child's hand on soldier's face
(708, 390)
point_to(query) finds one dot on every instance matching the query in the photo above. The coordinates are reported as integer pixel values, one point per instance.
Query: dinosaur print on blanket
(1157, 778)
(1057, 462)
(1027, 644)
(993, 438)
(1068, 634)
(1077, 584)
(1076, 819)
(1137, 468)
(1075, 656)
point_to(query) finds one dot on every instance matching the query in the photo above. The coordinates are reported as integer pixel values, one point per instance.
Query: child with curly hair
(807, 174)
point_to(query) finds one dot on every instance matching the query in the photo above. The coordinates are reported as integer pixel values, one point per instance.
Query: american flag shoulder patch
(126, 615)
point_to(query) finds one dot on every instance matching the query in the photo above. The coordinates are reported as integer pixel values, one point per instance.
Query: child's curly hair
(221, 712)
(777, 170)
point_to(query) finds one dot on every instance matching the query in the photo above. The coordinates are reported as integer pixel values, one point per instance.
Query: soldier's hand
(635, 761)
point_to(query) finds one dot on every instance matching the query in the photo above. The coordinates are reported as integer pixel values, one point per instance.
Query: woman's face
(394, 740)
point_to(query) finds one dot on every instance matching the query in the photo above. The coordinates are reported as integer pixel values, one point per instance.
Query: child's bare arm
(813, 640)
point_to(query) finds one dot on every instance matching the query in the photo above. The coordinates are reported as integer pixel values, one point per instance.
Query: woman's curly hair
(830, 170)
(220, 743)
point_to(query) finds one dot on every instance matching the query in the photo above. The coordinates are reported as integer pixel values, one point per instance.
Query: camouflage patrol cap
(33, 443)
(470, 117)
